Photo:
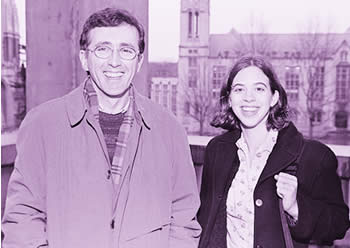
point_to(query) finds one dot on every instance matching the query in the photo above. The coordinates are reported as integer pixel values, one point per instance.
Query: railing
(197, 144)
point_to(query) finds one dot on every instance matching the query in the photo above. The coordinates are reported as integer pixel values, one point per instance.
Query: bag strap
(286, 233)
(285, 227)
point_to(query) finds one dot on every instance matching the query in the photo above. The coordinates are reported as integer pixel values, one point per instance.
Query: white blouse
(240, 200)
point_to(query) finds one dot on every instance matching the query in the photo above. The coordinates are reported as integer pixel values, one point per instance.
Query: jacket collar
(142, 114)
(226, 160)
(76, 107)
(287, 149)
(289, 140)
(229, 137)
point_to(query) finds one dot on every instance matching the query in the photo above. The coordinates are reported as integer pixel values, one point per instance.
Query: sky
(274, 16)
(21, 18)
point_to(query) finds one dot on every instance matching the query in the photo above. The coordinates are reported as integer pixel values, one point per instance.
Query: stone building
(313, 67)
(164, 85)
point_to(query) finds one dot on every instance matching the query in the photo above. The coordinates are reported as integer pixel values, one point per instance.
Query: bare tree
(315, 50)
(199, 106)
(255, 41)
(198, 101)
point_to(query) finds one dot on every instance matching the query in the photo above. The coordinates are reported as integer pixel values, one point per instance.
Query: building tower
(193, 60)
(12, 86)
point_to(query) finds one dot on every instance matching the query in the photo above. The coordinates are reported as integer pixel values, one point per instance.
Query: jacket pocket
(148, 229)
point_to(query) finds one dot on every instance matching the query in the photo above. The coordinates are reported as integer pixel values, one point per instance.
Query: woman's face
(251, 97)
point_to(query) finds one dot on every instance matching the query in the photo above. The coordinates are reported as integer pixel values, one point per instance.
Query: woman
(253, 165)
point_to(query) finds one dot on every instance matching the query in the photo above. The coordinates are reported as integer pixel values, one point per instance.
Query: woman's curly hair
(278, 116)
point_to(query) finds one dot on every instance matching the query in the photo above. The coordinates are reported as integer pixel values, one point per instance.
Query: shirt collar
(266, 146)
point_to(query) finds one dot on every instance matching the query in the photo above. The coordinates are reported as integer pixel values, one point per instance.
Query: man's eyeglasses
(105, 52)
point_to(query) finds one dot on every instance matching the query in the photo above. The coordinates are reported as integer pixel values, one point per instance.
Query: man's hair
(111, 17)
(278, 114)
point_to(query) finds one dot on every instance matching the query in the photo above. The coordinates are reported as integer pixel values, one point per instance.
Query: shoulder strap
(286, 233)
(292, 169)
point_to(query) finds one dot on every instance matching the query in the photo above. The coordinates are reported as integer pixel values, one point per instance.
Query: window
(317, 82)
(219, 72)
(190, 24)
(165, 95)
(316, 116)
(5, 48)
(344, 56)
(15, 48)
(226, 54)
(341, 119)
(342, 83)
(192, 72)
(192, 61)
(197, 23)
(192, 78)
(173, 98)
(292, 96)
(174, 89)
(292, 79)
(187, 107)
(216, 94)
(157, 91)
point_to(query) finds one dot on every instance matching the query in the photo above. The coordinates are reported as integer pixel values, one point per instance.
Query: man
(103, 166)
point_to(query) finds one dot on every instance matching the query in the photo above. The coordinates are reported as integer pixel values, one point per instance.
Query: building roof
(235, 44)
(162, 69)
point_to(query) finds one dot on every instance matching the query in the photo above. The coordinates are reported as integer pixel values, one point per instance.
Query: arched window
(197, 23)
(344, 56)
(190, 24)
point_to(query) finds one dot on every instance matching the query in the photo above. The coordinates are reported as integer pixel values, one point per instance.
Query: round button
(259, 246)
(259, 202)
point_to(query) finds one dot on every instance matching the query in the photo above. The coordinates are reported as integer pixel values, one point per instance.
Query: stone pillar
(53, 32)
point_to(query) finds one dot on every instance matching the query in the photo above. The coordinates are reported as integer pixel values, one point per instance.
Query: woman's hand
(287, 186)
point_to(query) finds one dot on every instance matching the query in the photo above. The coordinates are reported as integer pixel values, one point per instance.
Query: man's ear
(139, 62)
(83, 60)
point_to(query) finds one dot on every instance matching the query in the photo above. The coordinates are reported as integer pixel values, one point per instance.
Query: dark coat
(323, 215)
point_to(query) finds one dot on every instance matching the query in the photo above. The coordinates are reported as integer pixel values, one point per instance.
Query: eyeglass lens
(104, 52)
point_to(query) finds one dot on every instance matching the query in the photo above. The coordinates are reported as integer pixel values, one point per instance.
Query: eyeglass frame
(112, 51)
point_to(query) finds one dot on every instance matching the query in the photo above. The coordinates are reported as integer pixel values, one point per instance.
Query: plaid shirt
(124, 131)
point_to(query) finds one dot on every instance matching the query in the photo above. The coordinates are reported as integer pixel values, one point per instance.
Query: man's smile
(113, 75)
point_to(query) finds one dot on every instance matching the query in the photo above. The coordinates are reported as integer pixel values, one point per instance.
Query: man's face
(113, 74)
